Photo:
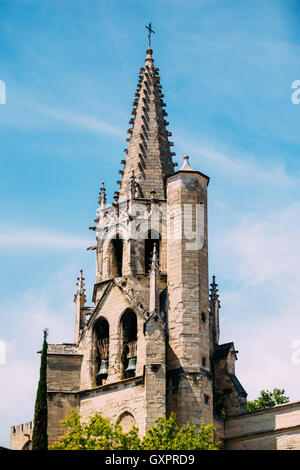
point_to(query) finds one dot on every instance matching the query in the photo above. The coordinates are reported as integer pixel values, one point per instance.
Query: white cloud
(25, 318)
(18, 238)
(266, 248)
(260, 257)
(79, 120)
(26, 111)
(244, 167)
(19, 383)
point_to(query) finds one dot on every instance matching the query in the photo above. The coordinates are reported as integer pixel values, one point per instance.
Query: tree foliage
(268, 399)
(99, 433)
(167, 435)
(39, 435)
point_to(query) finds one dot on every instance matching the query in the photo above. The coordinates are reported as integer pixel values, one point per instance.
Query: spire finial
(102, 197)
(80, 283)
(186, 164)
(214, 296)
(79, 300)
(80, 287)
(154, 282)
(154, 263)
(150, 30)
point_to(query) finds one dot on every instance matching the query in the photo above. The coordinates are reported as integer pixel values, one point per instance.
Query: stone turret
(189, 369)
(21, 436)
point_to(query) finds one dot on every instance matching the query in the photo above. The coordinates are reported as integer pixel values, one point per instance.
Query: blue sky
(71, 70)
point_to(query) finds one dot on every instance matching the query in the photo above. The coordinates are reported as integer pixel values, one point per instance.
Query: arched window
(153, 238)
(126, 421)
(129, 343)
(27, 445)
(102, 349)
(117, 255)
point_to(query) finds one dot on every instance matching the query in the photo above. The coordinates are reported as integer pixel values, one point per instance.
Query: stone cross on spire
(150, 30)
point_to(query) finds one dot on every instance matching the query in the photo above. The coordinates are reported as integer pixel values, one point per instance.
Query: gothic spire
(154, 281)
(148, 153)
(154, 262)
(80, 293)
(214, 306)
(214, 296)
(102, 197)
(79, 300)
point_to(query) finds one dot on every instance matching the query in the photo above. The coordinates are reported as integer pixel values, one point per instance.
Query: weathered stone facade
(21, 436)
(149, 345)
(275, 428)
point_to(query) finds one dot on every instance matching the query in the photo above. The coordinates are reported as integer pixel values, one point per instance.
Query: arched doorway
(27, 445)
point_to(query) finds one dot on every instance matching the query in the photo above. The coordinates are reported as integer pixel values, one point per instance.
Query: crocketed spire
(214, 296)
(154, 283)
(102, 197)
(214, 306)
(148, 154)
(80, 293)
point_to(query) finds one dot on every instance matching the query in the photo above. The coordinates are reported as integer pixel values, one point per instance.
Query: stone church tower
(149, 345)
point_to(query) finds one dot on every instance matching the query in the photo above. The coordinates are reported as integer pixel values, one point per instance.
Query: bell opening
(129, 339)
(103, 370)
(102, 350)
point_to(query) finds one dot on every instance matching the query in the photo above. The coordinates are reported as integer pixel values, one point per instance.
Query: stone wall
(275, 428)
(63, 372)
(155, 370)
(21, 436)
(229, 394)
(113, 401)
(60, 404)
(111, 307)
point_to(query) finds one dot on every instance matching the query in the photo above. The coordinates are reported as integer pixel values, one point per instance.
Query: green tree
(99, 433)
(167, 435)
(268, 399)
(39, 435)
